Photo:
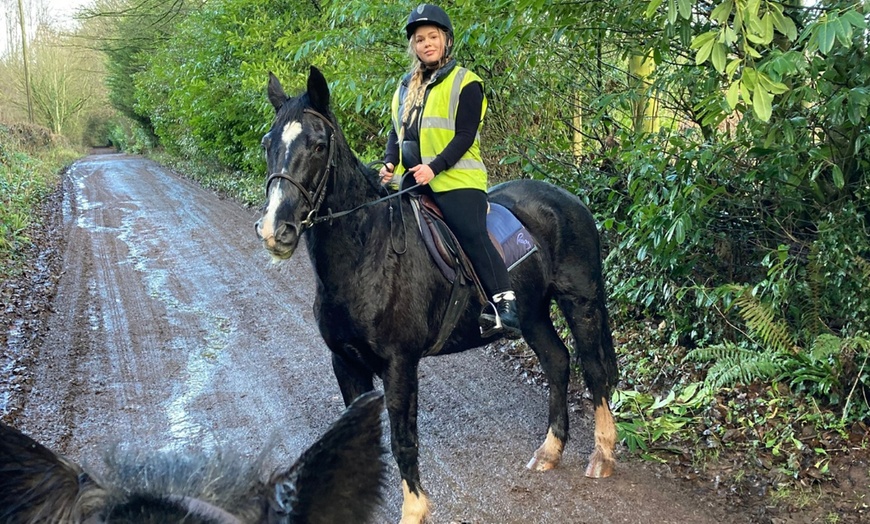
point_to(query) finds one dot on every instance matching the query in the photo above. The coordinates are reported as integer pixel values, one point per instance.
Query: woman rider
(437, 112)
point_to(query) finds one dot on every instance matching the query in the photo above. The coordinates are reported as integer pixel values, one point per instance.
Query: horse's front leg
(400, 391)
(353, 378)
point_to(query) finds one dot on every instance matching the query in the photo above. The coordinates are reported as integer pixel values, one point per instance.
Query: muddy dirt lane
(172, 329)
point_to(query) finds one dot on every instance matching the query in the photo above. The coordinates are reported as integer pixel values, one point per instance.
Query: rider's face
(429, 44)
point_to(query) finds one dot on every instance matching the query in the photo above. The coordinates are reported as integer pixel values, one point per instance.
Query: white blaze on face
(291, 131)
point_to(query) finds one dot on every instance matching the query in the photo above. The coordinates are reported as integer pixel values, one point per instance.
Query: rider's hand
(387, 173)
(423, 174)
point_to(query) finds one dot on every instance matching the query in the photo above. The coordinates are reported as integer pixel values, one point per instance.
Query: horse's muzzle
(281, 241)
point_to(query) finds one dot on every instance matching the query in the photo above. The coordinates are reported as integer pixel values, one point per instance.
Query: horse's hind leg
(587, 318)
(353, 378)
(553, 356)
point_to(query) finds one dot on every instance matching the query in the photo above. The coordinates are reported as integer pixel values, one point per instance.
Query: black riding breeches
(464, 212)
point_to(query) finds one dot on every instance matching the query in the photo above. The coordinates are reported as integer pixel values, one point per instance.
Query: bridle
(316, 200)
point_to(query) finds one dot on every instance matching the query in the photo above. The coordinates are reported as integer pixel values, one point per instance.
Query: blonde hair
(416, 86)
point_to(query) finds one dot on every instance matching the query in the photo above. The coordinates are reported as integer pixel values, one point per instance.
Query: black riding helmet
(428, 14)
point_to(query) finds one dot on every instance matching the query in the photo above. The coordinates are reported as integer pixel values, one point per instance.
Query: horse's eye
(319, 148)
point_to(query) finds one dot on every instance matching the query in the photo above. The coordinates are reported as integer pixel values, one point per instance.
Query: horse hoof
(537, 464)
(415, 507)
(600, 466)
(549, 455)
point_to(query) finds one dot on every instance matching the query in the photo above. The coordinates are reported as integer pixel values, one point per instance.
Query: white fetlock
(415, 507)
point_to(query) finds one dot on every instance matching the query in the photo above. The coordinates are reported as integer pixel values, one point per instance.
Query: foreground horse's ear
(37, 485)
(318, 90)
(340, 478)
(276, 93)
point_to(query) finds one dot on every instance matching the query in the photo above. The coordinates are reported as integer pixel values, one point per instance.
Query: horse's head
(300, 154)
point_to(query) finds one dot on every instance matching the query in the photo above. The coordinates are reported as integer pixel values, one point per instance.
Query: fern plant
(827, 370)
(733, 364)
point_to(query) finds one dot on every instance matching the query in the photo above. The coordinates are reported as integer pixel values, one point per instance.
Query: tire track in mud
(172, 330)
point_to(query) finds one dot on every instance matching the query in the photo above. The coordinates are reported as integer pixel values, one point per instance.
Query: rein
(314, 201)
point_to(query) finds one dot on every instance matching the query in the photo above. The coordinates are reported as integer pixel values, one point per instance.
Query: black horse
(380, 299)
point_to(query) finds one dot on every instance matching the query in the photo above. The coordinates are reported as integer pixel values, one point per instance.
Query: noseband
(314, 201)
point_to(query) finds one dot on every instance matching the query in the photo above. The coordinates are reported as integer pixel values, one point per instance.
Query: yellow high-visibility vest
(437, 128)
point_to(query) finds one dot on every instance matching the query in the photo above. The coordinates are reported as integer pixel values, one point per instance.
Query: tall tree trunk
(645, 112)
(577, 142)
(26, 65)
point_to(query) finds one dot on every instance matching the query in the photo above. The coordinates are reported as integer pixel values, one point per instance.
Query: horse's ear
(340, 478)
(35, 482)
(318, 90)
(276, 93)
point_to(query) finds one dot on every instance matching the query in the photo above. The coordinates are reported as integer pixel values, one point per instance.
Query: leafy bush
(26, 179)
(129, 136)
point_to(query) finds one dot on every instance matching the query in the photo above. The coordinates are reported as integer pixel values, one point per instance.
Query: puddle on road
(144, 242)
(9, 363)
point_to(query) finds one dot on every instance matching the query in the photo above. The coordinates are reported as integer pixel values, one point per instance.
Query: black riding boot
(502, 319)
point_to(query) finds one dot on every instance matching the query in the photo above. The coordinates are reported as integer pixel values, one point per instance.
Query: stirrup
(498, 328)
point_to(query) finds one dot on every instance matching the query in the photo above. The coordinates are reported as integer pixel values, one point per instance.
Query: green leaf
(855, 18)
(651, 8)
(844, 32)
(727, 35)
(777, 88)
(661, 402)
(767, 27)
(685, 8)
(856, 109)
(762, 102)
(752, 7)
(826, 34)
(722, 12)
(672, 11)
(751, 51)
(754, 24)
(704, 52)
(732, 66)
(719, 57)
(746, 94)
(733, 94)
(784, 25)
(839, 180)
(750, 76)
(702, 39)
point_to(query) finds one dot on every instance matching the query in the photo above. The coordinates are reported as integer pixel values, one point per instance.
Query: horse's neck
(351, 187)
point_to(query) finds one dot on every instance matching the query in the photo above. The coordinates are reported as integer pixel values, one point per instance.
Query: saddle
(509, 236)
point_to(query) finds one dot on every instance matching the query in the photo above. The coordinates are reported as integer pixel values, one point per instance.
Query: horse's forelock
(290, 111)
